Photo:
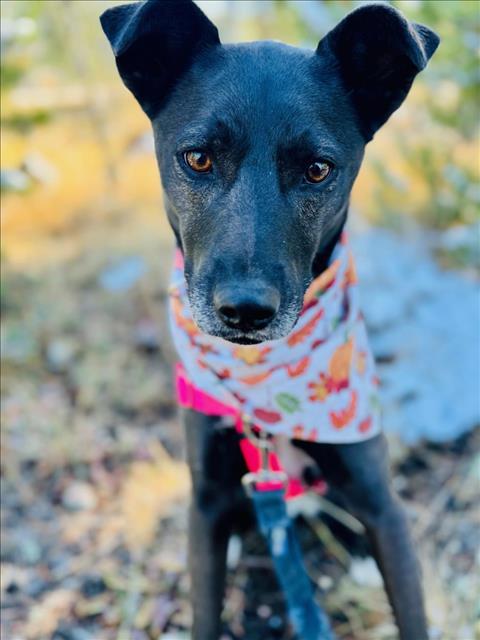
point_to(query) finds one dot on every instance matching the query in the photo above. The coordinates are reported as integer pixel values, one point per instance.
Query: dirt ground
(95, 490)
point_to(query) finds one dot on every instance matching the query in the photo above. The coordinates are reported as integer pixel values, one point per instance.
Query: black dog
(258, 146)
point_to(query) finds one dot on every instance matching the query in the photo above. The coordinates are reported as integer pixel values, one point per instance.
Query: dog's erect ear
(154, 42)
(378, 54)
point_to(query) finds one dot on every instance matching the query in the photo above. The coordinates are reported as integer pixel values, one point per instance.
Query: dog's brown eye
(318, 171)
(199, 161)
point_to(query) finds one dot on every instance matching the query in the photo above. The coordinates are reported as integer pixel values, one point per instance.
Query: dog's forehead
(261, 90)
(267, 67)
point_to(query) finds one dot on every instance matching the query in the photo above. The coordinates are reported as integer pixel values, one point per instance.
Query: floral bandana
(318, 383)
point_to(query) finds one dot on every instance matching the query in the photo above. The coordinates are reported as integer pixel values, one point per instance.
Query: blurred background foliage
(94, 486)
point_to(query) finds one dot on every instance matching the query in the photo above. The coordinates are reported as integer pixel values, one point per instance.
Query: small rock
(28, 550)
(264, 611)
(59, 355)
(79, 496)
(365, 572)
(325, 582)
(399, 483)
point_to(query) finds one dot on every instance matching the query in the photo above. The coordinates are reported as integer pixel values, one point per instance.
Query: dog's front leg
(207, 559)
(213, 485)
(360, 472)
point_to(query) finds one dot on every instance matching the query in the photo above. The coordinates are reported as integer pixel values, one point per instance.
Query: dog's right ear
(154, 42)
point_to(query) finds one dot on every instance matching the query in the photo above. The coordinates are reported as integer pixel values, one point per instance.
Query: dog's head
(258, 146)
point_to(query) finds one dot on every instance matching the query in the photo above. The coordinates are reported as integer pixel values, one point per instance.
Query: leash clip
(264, 475)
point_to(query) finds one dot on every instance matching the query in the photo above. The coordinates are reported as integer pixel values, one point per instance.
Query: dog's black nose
(246, 309)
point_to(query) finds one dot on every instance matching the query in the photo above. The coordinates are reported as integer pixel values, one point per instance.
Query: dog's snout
(246, 308)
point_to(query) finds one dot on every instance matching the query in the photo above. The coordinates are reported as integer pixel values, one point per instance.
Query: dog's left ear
(378, 54)
(154, 42)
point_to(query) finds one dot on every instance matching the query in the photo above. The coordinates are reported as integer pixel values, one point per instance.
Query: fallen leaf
(44, 616)
(151, 489)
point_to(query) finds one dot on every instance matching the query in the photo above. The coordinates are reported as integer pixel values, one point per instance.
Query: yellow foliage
(151, 489)
(96, 172)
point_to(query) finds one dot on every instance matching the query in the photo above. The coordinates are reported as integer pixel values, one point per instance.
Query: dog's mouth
(244, 340)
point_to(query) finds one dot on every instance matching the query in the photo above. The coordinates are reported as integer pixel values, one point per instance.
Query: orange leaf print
(350, 276)
(189, 327)
(297, 369)
(322, 282)
(252, 380)
(339, 367)
(342, 418)
(206, 348)
(365, 425)
(299, 336)
(251, 355)
(177, 307)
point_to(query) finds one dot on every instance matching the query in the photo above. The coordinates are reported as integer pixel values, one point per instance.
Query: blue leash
(308, 619)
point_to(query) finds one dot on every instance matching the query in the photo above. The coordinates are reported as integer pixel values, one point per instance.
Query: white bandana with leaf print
(318, 383)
